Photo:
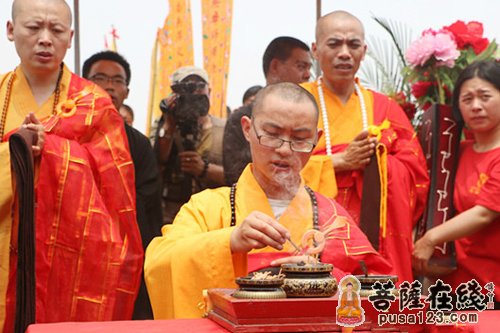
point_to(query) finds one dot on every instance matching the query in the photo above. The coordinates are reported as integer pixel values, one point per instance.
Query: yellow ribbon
(376, 130)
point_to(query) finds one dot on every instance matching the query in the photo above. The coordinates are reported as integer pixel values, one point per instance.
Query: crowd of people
(130, 227)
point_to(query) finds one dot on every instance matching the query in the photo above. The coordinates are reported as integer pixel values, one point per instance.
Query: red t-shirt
(478, 183)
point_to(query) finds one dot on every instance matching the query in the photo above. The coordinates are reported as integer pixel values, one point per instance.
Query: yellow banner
(173, 49)
(217, 20)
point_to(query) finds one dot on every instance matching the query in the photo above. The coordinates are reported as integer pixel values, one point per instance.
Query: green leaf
(489, 52)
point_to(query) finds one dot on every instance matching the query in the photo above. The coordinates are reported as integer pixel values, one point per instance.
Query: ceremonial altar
(291, 314)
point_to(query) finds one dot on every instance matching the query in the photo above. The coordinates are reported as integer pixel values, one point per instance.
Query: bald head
(41, 32)
(338, 17)
(18, 6)
(286, 91)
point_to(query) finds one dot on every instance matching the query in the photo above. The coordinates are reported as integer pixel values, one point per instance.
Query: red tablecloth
(489, 322)
(146, 326)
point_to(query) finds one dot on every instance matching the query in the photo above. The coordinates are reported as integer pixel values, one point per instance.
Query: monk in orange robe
(88, 248)
(358, 124)
(224, 233)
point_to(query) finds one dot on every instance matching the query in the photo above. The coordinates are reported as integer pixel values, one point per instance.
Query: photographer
(188, 141)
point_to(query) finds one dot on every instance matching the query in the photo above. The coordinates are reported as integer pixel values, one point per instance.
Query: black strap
(369, 221)
(22, 164)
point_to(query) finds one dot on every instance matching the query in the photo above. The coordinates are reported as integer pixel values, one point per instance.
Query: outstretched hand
(32, 123)
(357, 154)
(257, 231)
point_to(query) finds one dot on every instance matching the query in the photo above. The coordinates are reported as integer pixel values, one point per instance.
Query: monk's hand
(294, 260)
(32, 123)
(422, 252)
(357, 154)
(191, 163)
(257, 231)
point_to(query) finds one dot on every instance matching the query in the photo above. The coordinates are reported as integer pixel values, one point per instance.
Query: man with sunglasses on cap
(188, 141)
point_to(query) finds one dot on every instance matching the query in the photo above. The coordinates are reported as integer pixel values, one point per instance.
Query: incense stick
(298, 249)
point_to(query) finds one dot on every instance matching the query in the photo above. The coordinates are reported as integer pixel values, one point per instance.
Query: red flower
(470, 34)
(420, 88)
(409, 108)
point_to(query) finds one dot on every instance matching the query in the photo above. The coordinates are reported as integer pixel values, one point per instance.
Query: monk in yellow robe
(88, 253)
(359, 124)
(224, 233)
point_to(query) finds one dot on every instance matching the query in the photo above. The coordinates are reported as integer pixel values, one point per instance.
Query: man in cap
(188, 141)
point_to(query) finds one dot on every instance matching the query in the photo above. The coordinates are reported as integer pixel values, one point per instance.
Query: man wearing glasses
(111, 72)
(225, 233)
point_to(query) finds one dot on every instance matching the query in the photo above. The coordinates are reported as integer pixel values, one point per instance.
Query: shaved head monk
(88, 258)
(224, 233)
(375, 153)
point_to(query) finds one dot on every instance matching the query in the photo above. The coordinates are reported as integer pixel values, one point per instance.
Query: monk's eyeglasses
(298, 146)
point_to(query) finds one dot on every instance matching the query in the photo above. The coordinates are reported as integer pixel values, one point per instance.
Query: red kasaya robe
(88, 246)
(406, 170)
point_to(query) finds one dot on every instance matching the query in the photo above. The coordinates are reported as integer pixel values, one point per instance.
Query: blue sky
(255, 24)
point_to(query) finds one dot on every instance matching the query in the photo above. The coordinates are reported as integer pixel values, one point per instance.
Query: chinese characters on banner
(217, 18)
(173, 49)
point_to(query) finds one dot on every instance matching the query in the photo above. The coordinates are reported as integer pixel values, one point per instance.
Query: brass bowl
(309, 280)
(368, 280)
(259, 288)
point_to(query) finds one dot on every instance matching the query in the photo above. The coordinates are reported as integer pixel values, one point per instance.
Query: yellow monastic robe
(344, 124)
(318, 174)
(345, 120)
(22, 102)
(194, 253)
(403, 171)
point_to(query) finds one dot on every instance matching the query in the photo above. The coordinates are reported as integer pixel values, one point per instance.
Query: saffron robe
(406, 170)
(88, 246)
(194, 252)
(477, 182)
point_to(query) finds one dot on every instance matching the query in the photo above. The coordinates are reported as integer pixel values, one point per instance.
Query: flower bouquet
(435, 62)
(438, 56)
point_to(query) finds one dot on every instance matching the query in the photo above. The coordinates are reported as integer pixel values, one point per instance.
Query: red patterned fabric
(88, 247)
(407, 185)
(346, 245)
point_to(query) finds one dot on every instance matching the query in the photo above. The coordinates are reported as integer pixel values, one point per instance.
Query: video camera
(185, 109)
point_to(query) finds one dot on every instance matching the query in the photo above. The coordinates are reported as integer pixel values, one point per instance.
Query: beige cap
(183, 72)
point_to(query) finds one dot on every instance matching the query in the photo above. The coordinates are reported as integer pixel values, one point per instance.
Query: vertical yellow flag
(173, 49)
(217, 20)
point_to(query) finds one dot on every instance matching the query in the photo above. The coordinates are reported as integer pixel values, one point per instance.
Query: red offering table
(290, 314)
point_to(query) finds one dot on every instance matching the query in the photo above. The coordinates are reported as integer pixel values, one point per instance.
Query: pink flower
(437, 57)
(420, 50)
(439, 44)
(445, 49)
